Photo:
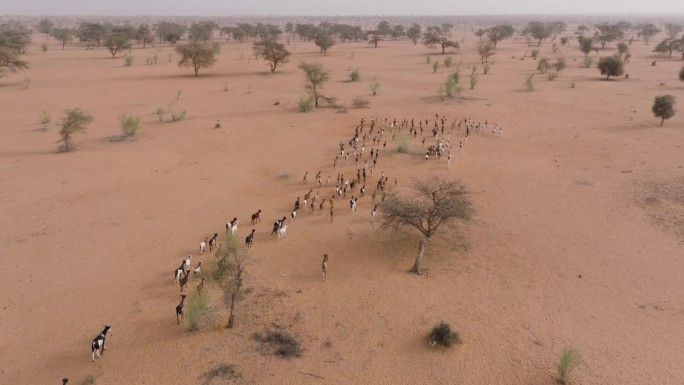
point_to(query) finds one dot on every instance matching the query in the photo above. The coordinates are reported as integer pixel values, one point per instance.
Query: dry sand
(582, 182)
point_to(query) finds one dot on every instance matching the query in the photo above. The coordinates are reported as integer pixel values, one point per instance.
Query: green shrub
(355, 75)
(435, 66)
(281, 343)
(572, 84)
(569, 359)
(529, 83)
(588, 61)
(443, 335)
(44, 47)
(448, 61)
(128, 61)
(375, 87)
(551, 75)
(451, 87)
(305, 103)
(178, 115)
(160, 112)
(197, 309)
(428, 59)
(217, 48)
(534, 53)
(473, 80)
(129, 125)
(154, 59)
(486, 68)
(543, 65)
(45, 120)
(89, 379)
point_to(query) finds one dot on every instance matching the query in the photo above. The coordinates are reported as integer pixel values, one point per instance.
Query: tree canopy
(435, 202)
(610, 66)
(75, 121)
(273, 52)
(435, 36)
(324, 41)
(664, 107)
(316, 76)
(196, 56)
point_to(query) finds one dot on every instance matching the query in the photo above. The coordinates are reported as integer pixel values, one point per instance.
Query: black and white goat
(282, 232)
(98, 345)
(232, 226)
(249, 241)
(212, 242)
(180, 309)
(197, 269)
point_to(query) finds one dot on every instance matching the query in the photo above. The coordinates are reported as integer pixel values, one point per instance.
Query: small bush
(197, 309)
(224, 371)
(305, 103)
(569, 359)
(435, 66)
(428, 59)
(154, 59)
(554, 48)
(486, 68)
(534, 53)
(45, 120)
(27, 83)
(160, 112)
(129, 125)
(128, 61)
(403, 147)
(170, 57)
(448, 61)
(178, 115)
(89, 379)
(44, 47)
(588, 61)
(529, 83)
(551, 75)
(375, 87)
(282, 344)
(225, 86)
(355, 76)
(543, 65)
(217, 48)
(451, 87)
(443, 335)
(178, 94)
(360, 103)
(572, 84)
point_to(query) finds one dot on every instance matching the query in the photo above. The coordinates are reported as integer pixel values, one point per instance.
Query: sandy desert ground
(577, 238)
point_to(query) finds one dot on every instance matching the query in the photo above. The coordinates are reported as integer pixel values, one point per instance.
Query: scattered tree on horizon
(10, 60)
(143, 35)
(74, 122)
(116, 42)
(273, 52)
(374, 38)
(664, 107)
(606, 33)
(435, 36)
(485, 48)
(316, 76)
(622, 49)
(196, 56)
(647, 31)
(324, 41)
(673, 30)
(499, 33)
(436, 202)
(46, 26)
(586, 45)
(610, 66)
(538, 30)
(414, 32)
(62, 35)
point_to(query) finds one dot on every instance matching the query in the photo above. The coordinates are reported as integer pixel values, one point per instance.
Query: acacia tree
(116, 42)
(144, 35)
(622, 48)
(499, 32)
(273, 52)
(435, 36)
(485, 48)
(586, 45)
(664, 107)
(74, 122)
(324, 41)
(414, 32)
(196, 56)
(316, 76)
(63, 35)
(436, 202)
(231, 260)
(647, 31)
(374, 38)
(610, 66)
(538, 31)
(673, 30)
(9, 60)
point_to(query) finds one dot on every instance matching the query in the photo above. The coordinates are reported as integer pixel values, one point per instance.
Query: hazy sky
(333, 7)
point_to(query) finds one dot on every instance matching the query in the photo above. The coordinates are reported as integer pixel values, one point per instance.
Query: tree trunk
(662, 120)
(419, 257)
(232, 307)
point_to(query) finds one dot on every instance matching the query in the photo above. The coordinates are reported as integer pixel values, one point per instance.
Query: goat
(212, 242)
(64, 381)
(294, 214)
(183, 282)
(203, 244)
(200, 287)
(186, 263)
(282, 232)
(373, 212)
(178, 273)
(198, 269)
(250, 239)
(98, 344)
(256, 217)
(180, 309)
(232, 226)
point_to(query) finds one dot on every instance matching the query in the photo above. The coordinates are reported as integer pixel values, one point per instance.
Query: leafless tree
(435, 202)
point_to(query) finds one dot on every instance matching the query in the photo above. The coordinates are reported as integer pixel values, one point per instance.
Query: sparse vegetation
(355, 75)
(451, 86)
(197, 308)
(273, 52)
(27, 83)
(226, 372)
(44, 47)
(664, 107)
(128, 61)
(569, 359)
(435, 66)
(45, 120)
(534, 53)
(316, 76)
(375, 87)
(529, 83)
(280, 344)
(129, 125)
(428, 59)
(160, 112)
(486, 67)
(543, 65)
(448, 61)
(196, 56)
(305, 103)
(231, 260)
(443, 335)
(588, 61)
(75, 121)
(89, 379)
(473, 78)
(178, 115)
(225, 86)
